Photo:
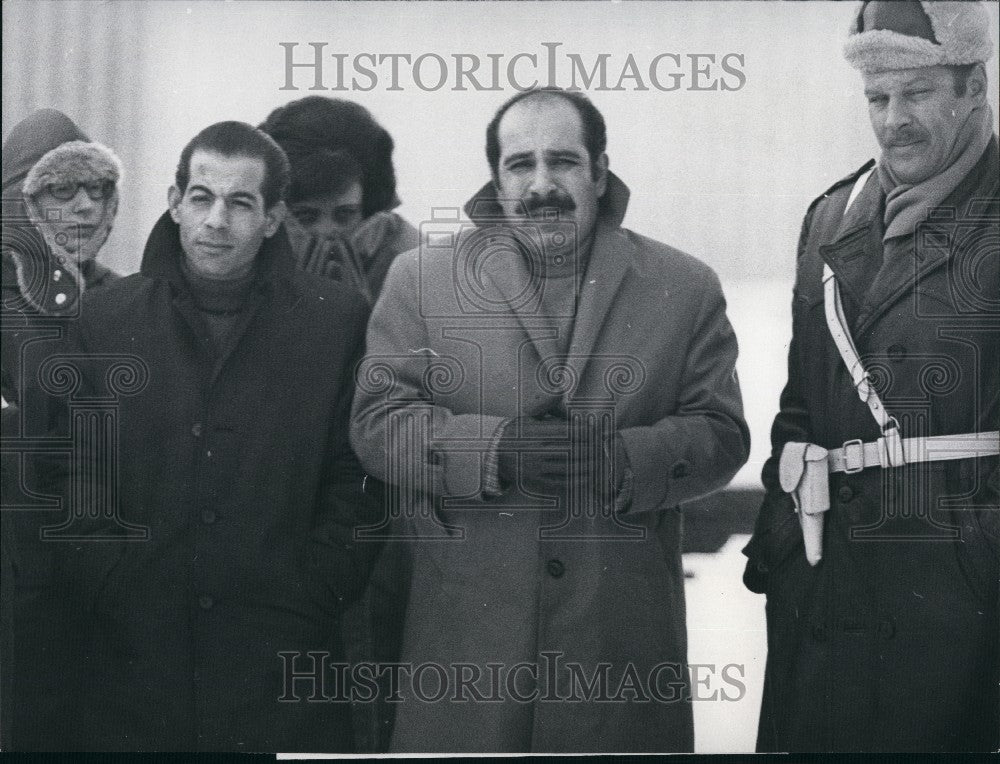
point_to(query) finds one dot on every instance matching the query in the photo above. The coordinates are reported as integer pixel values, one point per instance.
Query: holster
(804, 474)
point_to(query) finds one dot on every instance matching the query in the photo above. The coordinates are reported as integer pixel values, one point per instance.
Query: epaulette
(843, 182)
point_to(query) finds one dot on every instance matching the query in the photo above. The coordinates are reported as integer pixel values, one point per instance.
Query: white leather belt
(855, 456)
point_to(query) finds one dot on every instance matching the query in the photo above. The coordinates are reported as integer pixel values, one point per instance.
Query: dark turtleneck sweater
(219, 301)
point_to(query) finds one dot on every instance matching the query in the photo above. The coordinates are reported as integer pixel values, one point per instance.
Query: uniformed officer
(877, 542)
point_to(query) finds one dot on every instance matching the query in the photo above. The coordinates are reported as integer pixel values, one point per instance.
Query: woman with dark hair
(343, 191)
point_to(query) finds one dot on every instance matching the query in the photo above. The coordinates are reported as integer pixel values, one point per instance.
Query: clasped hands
(555, 453)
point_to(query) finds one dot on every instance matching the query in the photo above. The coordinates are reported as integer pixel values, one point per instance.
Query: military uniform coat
(891, 641)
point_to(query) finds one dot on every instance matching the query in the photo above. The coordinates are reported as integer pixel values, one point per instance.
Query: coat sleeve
(348, 499)
(699, 447)
(84, 564)
(398, 430)
(776, 531)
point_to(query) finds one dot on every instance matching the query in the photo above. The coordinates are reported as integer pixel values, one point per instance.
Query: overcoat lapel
(855, 254)
(610, 261)
(516, 284)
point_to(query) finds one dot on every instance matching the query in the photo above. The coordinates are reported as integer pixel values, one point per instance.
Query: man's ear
(174, 197)
(275, 216)
(976, 84)
(601, 175)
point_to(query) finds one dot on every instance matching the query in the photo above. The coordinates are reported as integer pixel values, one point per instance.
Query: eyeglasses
(96, 189)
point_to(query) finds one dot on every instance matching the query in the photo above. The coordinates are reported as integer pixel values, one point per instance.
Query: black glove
(541, 446)
(554, 452)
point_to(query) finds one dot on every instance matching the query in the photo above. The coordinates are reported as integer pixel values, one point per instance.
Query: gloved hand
(541, 446)
(553, 452)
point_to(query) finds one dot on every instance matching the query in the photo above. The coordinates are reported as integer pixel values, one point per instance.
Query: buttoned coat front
(530, 598)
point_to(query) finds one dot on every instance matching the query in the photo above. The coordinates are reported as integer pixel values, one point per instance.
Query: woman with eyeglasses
(60, 196)
(58, 181)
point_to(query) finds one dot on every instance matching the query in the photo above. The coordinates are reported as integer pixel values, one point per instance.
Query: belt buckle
(852, 465)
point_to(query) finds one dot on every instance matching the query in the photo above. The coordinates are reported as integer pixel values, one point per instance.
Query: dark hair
(318, 122)
(239, 139)
(595, 133)
(321, 172)
(960, 74)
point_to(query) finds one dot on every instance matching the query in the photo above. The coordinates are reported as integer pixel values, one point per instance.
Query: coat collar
(934, 243)
(162, 260)
(858, 241)
(610, 258)
(161, 257)
(857, 245)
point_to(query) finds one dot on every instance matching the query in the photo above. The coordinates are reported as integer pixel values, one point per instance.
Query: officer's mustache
(903, 137)
(554, 200)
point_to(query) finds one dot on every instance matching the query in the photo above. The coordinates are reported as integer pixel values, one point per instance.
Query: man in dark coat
(545, 388)
(886, 636)
(214, 541)
(60, 197)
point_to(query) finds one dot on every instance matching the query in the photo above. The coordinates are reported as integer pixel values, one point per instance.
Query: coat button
(896, 353)
(196, 429)
(845, 494)
(205, 602)
(555, 568)
(681, 469)
(819, 632)
(208, 516)
(885, 629)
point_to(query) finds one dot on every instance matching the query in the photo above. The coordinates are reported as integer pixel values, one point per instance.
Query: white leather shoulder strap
(836, 322)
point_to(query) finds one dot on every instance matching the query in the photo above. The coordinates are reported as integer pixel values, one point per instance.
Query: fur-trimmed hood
(51, 272)
(960, 31)
(73, 162)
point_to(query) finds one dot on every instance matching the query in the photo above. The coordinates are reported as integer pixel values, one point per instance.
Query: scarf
(907, 205)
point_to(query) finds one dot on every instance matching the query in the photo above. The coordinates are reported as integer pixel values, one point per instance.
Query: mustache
(557, 200)
(903, 137)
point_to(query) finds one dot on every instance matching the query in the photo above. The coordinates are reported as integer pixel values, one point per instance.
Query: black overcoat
(891, 641)
(229, 509)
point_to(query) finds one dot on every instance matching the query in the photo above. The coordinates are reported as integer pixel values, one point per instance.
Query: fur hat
(886, 36)
(73, 162)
